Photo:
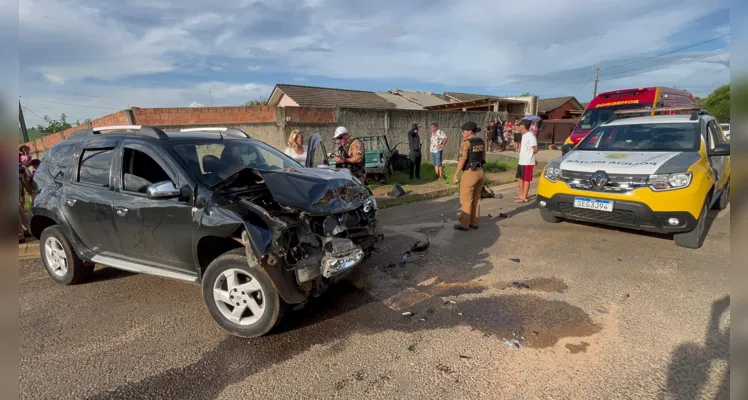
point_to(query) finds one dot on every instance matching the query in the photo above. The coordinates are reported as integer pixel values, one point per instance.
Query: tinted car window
(59, 160)
(94, 166)
(644, 137)
(212, 162)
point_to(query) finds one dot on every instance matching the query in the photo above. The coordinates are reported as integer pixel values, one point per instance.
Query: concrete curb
(28, 250)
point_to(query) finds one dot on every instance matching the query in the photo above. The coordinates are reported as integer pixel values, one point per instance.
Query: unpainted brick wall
(273, 125)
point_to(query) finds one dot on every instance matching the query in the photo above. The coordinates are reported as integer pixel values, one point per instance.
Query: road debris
(459, 313)
(422, 319)
(464, 357)
(408, 314)
(420, 245)
(520, 285)
(513, 343)
(430, 310)
(397, 191)
(503, 215)
(450, 302)
(514, 259)
(391, 265)
(404, 260)
(536, 333)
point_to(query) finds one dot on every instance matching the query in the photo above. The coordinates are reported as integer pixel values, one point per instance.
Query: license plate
(593, 204)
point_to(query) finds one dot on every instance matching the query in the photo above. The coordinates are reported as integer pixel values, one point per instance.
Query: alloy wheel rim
(239, 297)
(57, 260)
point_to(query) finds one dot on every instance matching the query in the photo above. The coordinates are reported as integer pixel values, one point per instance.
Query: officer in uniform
(472, 158)
(350, 153)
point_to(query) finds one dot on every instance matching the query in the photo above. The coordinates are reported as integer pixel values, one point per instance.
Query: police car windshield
(643, 137)
(209, 162)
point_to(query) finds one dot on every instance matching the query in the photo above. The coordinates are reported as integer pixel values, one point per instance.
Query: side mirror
(163, 190)
(720, 150)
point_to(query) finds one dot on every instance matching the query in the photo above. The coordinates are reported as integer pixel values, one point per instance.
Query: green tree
(54, 125)
(256, 102)
(718, 103)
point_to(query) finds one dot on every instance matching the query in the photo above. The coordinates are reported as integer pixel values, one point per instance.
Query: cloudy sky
(88, 58)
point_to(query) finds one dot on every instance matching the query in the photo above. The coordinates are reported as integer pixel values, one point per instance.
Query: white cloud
(89, 102)
(432, 42)
(51, 78)
(300, 79)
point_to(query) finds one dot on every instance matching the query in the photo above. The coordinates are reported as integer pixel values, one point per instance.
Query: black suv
(207, 205)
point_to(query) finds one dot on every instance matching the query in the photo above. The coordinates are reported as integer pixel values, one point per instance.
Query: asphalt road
(597, 313)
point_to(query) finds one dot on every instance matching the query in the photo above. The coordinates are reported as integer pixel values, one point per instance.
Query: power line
(668, 53)
(72, 104)
(32, 111)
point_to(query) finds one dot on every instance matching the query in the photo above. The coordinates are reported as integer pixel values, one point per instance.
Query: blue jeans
(436, 158)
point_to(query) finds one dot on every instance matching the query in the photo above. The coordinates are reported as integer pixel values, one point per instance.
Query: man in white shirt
(438, 140)
(527, 149)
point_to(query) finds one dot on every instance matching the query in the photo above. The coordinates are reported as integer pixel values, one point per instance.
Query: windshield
(210, 162)
(596, 116)
(643, 137)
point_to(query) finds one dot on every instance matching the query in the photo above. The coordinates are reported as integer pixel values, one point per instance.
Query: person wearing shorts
(527, 149)
(438, 140)
(517, 135)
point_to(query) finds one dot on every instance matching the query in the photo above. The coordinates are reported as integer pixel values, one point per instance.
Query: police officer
(350, 154)
(472, 158)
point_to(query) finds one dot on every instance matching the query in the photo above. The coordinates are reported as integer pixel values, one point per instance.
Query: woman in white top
(296, 148)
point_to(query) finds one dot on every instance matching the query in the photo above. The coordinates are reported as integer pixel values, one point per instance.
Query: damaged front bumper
(340, 257)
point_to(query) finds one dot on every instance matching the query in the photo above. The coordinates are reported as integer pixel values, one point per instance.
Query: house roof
(423, 99)
(400, 102)
(462, 97)
(312, 96)
(548, 105)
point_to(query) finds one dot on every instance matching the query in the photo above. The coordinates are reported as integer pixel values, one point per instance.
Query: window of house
(94, 166)
(139, 170)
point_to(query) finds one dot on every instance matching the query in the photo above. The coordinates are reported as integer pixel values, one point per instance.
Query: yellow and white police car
(657, 173)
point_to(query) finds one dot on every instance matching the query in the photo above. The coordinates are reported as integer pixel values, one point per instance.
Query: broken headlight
(552, 173)
(370, 204)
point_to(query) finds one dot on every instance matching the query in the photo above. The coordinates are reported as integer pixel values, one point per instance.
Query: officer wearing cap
(472, 158)
(350, 154)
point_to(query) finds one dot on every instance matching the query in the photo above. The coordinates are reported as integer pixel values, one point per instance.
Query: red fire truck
(602, 107)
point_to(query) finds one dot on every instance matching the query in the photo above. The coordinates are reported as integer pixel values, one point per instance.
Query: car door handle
(70, 202)
(121, 211)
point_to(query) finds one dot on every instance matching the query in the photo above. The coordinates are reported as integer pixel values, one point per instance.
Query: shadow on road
(690, 363)
(348, 310)
(345, 311)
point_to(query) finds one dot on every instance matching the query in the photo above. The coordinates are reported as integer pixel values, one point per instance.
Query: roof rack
(140, 130)
(232, 132)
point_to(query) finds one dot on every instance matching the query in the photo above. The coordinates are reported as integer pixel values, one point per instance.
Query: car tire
(243, 300)
(548, 217)
(694, 239)
(59, 258)
(724, 198)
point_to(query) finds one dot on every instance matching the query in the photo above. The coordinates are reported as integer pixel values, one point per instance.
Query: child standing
(528, 147)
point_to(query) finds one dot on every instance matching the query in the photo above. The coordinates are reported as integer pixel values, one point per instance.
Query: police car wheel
(694, 239)
(548, 217)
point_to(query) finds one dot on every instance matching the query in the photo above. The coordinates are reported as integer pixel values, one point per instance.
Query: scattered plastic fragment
(450, 302)
(407, 314)
(459, 313)
(422, 319)
(513, 343)
(515, 259)
(536, 333)
(520, 285)
(404, 260)
(503, 215)
(464, 357)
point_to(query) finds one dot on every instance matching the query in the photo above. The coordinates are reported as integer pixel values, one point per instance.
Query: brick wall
(273, 125)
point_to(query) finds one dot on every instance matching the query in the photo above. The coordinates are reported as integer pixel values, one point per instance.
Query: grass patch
(429, 175)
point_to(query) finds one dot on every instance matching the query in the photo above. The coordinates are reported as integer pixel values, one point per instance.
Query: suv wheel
(695, 238)
(724, 198)
(63, 265)
(548, 217)
(241, 299)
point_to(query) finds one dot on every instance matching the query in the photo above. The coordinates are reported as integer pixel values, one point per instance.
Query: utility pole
(22, 120)
(597, 77)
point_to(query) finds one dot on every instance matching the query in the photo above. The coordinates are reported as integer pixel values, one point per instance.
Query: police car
(660, 173)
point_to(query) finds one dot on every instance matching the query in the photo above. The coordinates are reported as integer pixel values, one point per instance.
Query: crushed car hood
(315, 190)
